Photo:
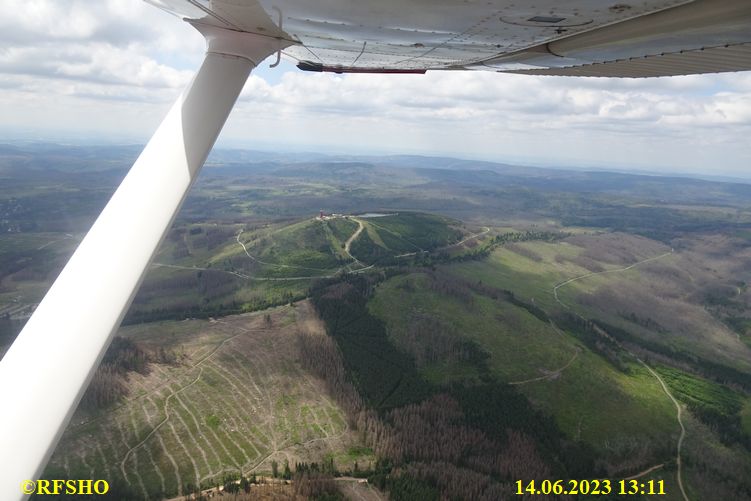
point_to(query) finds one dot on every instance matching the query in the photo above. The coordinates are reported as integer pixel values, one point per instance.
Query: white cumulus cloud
(113, 67)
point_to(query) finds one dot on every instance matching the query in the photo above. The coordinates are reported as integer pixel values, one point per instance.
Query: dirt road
(678, 408)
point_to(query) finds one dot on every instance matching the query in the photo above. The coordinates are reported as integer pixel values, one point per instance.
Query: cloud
(97, 63)
(116, 22)
(468, 96)
(113, 66)
(113, 42)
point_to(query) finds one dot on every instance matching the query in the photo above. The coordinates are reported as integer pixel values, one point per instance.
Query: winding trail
(245, 249)
(680, 422)
(645, 472)
(67, 236)
(347, 248)
(156, 428)
(199, 365)
(586, 275)
(354, 236)
(466, 239)
(329, 274)
(420, 249)
(242, 275)
(483, 232)
(553, 374)
(679, 410)
(348, 243)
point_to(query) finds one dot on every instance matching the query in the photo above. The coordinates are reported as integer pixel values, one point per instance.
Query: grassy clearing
(522, 346)
(403, 233)
(338, 234)
(700, 394)
(342, 228)
(619, 414)
(237, 401)
(507, 270)
(303, 244)
(425, 231)
(390, 239)
(612, 411)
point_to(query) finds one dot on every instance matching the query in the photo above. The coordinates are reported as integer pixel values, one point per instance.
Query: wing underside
(549, 37)
(709, 60)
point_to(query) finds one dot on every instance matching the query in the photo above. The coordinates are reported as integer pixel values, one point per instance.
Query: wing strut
(47, 369)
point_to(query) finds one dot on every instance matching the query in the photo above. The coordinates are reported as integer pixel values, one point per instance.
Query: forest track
(680, 422)
(645, 472)
(354, 236)
(348, 245)
(156, 428)
(245, 249)
(331, 273)
(467, 239)
(679, 410)
(553, 374)
(617, 270)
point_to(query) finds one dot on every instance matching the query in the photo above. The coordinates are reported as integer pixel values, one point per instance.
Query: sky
(107, 71)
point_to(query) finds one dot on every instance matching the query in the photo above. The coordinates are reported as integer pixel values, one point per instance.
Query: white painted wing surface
(552, 37)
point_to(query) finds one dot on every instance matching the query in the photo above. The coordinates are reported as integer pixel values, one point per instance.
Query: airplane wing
(45, 372)
(543, 37)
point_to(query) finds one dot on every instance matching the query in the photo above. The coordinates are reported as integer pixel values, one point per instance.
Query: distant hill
(210, 269)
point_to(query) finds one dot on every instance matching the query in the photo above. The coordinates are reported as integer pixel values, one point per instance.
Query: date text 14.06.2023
(594, 487)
